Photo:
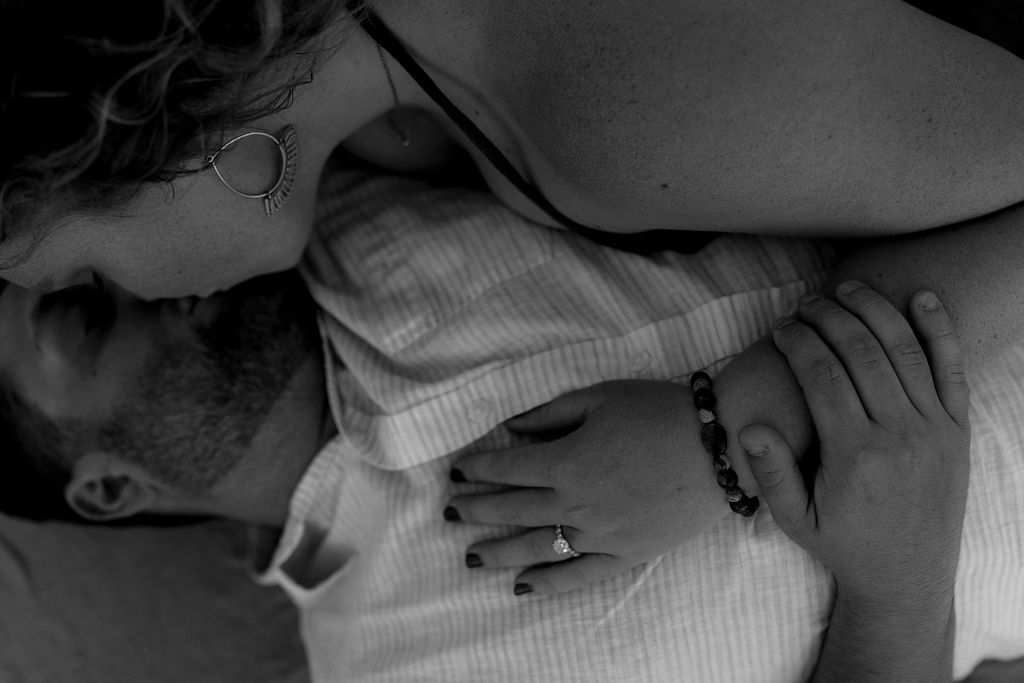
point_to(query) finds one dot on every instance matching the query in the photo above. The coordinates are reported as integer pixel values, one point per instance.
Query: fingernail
(522, 589)
(457, 476)
(473, 561)
(850, 286)
(783, 321)
(810, 297)
(451, 514)
(754, 450)
(929, 302)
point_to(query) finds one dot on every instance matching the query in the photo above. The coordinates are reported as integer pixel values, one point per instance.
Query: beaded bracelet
(713, 436)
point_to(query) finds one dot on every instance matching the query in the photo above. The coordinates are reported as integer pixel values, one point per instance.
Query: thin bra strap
(638, 243)
(376, 29)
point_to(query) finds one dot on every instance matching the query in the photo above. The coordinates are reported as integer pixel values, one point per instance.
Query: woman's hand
(629, 483)
(885, 506)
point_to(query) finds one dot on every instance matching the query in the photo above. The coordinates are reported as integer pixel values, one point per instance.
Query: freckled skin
(754, 121)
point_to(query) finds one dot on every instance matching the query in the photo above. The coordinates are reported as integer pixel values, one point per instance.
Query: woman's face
(191, 237)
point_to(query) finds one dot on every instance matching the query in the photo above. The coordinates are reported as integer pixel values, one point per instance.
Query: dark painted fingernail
(452, 515)
(473, 561)
(522, 589)
(456, 475)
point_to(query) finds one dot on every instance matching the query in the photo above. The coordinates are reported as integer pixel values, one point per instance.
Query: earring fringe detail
(289, 145)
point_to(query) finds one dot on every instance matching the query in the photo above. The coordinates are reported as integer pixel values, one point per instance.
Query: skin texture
(738, 115)
(601, 517)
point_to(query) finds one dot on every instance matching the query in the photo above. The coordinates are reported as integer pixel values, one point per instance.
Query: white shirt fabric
(443, 315)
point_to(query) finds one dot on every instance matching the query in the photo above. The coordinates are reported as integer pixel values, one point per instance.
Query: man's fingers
(830, 395)
(518, 507)
(774, 467)
(894, 333)
(536, 546)
(938, 336)
(566, 576)
(860, 352)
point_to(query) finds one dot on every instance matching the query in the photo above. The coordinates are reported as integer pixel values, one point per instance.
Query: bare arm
(884, 508)
(978, 270)
(805, 117)
(898, 641)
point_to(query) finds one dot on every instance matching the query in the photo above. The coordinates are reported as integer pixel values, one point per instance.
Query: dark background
(1000, 21)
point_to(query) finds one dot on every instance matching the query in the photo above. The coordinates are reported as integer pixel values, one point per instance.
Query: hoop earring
(288, 148)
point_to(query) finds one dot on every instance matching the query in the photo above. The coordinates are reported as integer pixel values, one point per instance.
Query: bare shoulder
(786, 113)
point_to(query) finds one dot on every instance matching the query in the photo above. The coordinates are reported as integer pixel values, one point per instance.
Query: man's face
(180, 386)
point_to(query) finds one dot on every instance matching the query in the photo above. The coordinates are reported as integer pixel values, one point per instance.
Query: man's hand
(887, 501)
(629, 483)
(885, 507)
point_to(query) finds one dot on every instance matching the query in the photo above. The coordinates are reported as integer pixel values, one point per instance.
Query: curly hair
(99, 98)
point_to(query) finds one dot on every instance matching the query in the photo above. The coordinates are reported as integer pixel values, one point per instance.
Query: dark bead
(734, 493)
(745, 506)
(720, 463)
(727, 478)
(712, 435)
(704, 398)
(700, 380)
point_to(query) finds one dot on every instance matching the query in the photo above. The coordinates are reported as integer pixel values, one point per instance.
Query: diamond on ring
(561, 544)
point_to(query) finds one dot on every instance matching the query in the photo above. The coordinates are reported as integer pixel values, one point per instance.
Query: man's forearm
(757, 387)
(868, 642)
(976, 268)
(978, 271)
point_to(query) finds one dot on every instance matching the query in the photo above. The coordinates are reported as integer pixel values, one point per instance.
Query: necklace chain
(393, 117)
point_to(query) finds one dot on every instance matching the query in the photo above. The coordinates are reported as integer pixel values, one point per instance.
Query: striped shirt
(443, 315)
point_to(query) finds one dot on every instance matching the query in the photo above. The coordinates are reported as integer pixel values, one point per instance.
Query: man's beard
(198, 405)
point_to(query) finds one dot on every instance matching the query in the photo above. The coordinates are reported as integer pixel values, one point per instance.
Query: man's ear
(104, 488)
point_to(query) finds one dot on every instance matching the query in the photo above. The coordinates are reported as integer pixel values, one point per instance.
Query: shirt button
(639, 362)
(479, 410)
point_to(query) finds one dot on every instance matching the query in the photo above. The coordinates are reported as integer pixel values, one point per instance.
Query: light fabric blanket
(445, 315)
